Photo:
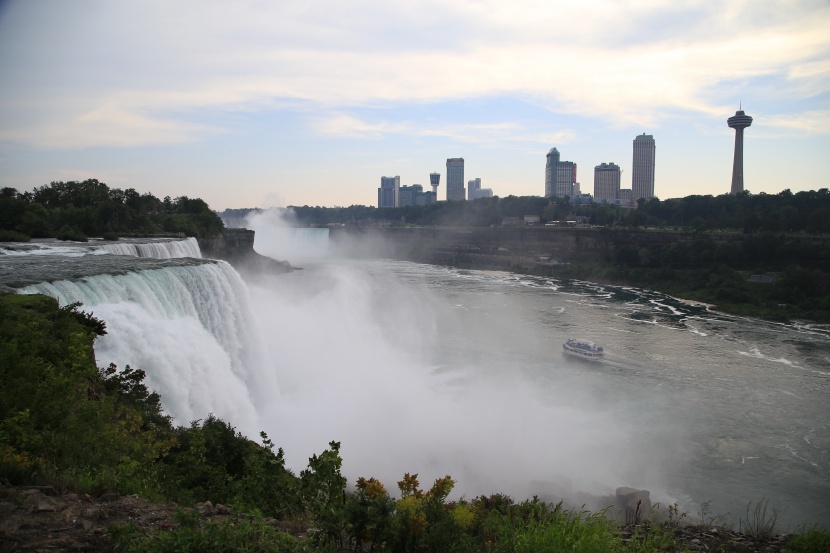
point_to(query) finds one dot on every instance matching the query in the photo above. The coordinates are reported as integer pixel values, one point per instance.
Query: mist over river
(434, 370)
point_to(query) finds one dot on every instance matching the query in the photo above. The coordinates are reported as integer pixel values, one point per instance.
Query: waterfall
(296, 245)
(190, 328)
(167, 249)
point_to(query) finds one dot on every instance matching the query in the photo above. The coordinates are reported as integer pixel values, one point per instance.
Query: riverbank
(778, 277)
(41, 518)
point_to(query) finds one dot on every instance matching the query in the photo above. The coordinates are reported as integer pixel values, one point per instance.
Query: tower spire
(739, 122)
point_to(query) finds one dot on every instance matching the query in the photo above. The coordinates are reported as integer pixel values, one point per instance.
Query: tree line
(807, 211)
(75, 210)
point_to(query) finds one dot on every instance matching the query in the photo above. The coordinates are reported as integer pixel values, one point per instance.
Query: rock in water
(634, 504)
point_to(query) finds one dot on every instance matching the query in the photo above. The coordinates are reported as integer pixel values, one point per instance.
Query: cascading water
(187, 322)
(167, 249)
(297, 245)
(164, 248)
(190, 328)
(278, 237)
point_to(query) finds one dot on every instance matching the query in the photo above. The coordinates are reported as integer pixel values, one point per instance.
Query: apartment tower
(455, 179)
(642, 168)
(472, 186)
(560, 176)
(388, 191)
(607, 181)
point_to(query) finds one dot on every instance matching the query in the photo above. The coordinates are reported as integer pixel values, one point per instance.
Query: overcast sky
(282, 102)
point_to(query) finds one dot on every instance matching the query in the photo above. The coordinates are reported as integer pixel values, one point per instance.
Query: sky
(275, 103)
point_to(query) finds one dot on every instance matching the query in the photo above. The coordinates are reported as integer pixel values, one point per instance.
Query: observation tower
(434, 179)
(739, 122)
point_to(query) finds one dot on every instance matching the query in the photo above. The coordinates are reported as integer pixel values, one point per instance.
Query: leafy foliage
(230, 536)
(74, 210)
(65, 422)
(814, 539)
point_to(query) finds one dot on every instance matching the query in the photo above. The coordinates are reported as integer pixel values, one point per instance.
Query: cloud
(110, 126)
(344, 125)
(622, 63)
(498, 133)
(795, 124)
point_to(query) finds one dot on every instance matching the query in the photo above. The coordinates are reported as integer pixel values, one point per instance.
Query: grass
(810, 540)
(191, 535)
(760, 520)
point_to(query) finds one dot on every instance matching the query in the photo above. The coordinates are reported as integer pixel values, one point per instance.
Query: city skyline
(274, 104)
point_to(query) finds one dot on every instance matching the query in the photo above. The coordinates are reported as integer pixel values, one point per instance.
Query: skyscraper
(455, 179)
(388, 191)
(560, 176)
(642, 168)
(550, 171)
(739, 122)
(472, 186)
(607, 181)
(565, 179)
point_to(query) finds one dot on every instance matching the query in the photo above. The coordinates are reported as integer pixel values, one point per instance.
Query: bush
(810, 540)
(71, 233)
(13, 236)
(60, 422)
(230, 536)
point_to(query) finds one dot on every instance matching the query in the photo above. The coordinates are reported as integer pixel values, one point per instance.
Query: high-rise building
(455, 179)
(434, 181)
(642, 168)
(607, 181)
(483, 193)
(550, 171)
(425, 198)
(388, 191)
(407, 194)
(560, 176)
(565, 179)
(472, 186)
(739, 122)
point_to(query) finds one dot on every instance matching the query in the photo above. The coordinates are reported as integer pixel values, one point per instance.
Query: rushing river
(693, 405)
(434, 370)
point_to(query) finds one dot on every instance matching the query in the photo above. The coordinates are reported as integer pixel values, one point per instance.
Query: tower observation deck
(739, 122)
(434, 180)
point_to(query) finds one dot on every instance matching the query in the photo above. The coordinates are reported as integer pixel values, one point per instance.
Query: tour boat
(582, 348)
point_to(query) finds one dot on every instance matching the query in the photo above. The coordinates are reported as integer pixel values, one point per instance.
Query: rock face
(236, 246)
(634, 505)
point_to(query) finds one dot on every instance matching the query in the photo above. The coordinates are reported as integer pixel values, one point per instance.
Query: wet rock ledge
(236, 246)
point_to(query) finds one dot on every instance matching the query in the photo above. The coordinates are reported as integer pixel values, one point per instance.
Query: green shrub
(13, 236)
(231, 536)
(71, 233)
(61, 422)
(810, 540)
